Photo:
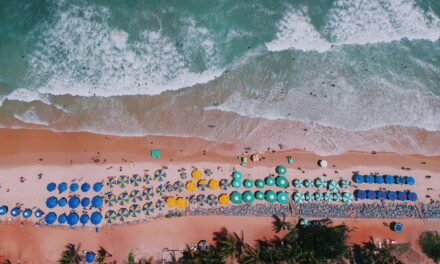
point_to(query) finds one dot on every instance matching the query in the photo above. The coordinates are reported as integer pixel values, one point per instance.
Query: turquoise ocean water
(324, 75)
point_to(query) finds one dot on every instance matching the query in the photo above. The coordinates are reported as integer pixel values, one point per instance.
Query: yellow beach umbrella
(190, 186)
(213, 184)
(196, 174)
(181, 202)
(171, 202)
(223, 199)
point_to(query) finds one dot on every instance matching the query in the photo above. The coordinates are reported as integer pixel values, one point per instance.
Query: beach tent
(160, 189)
(389, 179)
(196, 174)
(327, 197)
(260, 184)
(97, 186)
(223, 199)
(236, 184)
(74, 187)
(123, 198)
(347, 197)
(248, 197)
(344, 184)
(181, 201)
(62, 218)
(309, 197)
(298, 198)
(123, 214)
(72, 219)
(95, 218)
(85, 187)
(27, 213)
(62, 187)
(136, 180)
(282, 197)
(97, 201)
(361, 194)
(110, 199)
(224, 184)
(202, 185)
(147, 178)
(369, 179)
(38, 213)
(51, 187)
(297, 183)
(319, 183)
(259, 195)
(3, 210)
(248, 183)
(171, 201)
(148, 208)
(74, 202)
(378, 179)
(381, 195)
(318, 196)
(400, 180)
(371, 195)
(160, 205)
(358, 178)
(270, 196)
(282, 182)
(134, 210)
(84, 219)
(308, 183)
(50, 218)
(51, 202)
(237, 175)
(155, 153)
(135, 196)
(337, 197)
(401, 196)
(213, 184)
(412, 196)
(62, 202)
(211, 200)
(392, 196)
(281, 170)
(201, 200)
(333, 186)
(110, 216)
(190, 186)
(90, 257)
(123, 181)
(85, 202)
(270, 181)
(410, 180)
(236, 197)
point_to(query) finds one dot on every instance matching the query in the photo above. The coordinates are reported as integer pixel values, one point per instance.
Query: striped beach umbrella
(318, 196)
(84, 219)
(62, 218)
(160, 189)
(389, 179)
(95, 218)
(135, 196)
(236, 184)
(160, 205)
(112, 181)
(235, 197)
(202, 185)
(73, 219)
(308, 183)
(27, 213)
(136, 180)
(134, 210)
(309, 197)
(381, 195)
(181, 202)
(259, 195)
(298, 197)
(371, 195)
(148, 208)
(410, 180)
(178, 186)
(196, 174)
(248, 197)
(237, 175)
(223, 199)
(369, 179)
(260, 184)
(378, 179)
(337, 197)
(169, 187)
(213, 184)
(123, 198)
(212, 200)
(327, 196)
(110, 216)
(51, 187)
(224, 184)
(110, 199)
(97, 201)
(412, 196)
(281, 182)
(159, 175)
(347, 197)
(248, 183)
(297, 183)
(361, 194)
(270, 196)
(50, 218)
(147, 178)
(170, 201)
(344, 184)
(123, 214)
(201, 200)
(270, 181)
(281, 170)
(85, 187)
(319, 183)
(123, 181)
(333, 186)
(192, 199)
(282, 197)
(74, 187)
(148, 193)
(202, 245)
(190, 186)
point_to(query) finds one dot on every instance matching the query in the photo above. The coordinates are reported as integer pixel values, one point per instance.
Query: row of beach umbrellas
(345, 197)
(385, 195)
(384, 179)
(134, 210)
(16, 211)
(73, 218)
(62, 187)
(249, 197)
(134, 196)
(321, 183)
(74, 202)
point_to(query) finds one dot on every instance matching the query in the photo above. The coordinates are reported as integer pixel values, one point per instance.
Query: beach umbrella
(381, 195)
(112, 181)
(369, 179)
(97, 201)
(72, 219)
(358, 178)
(84, 218)
(3, 210)
(190, 186)
(260, 184)
(308, 183)
(237, 175)
(389, 179)
(344, 184)
(134, 210)
(74, 202)
(178, 186)
(51, 187)
(412, 196)
(123, 214)
(322, 163)
(160, 189)
(148, 193)
(168, 187)
(170, 202)
(110, 199)
(159, 175)
(181, 201)
(259, 195)
(224, 184)
(213, 184)
(309, 197)
(282, 197)
(248, 183)
(297, 183)
(148, 208)
(400, 180)
(212, 200)
(62, 187)
(361, 194)
(318, 196)
(196, 174)
(135, 196)
(337, 197)
(270, 196)
(123, 181)
(371, 195)
(202, 245)
(298, 198)
(410, 180)
(201, 200)
(397, 227)
(160, 205)
(95, 218)
(401, 196)
(347, 197)
(27, 213)
(62, 218)
(74, 187)
(236, 184)
(136, 180)
(51, 202)
(327, 197)
(378, 179)
(202, 185)
(236, 197)
(223, 199)
(392, 196)
(90, 257)
(333, 186)
(281, 182)
(270, 181)
(97, 186)
(147, 178)
(85, 187)
(281, 170)
(62, 202)
(208, 172)
(123, 198)
(38, 213)
(248, 197)
(110, 216)
(319, 183)
(50, 218)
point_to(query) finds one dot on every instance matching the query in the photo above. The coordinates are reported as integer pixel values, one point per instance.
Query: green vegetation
(430, 244)
(71, 255)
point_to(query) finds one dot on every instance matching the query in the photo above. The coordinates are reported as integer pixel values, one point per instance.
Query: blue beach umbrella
(361, 194)
(90, 257)
(3, 210)
(51, 202)
(389, 179)
(358, 178)
(27, 213)
(85, 202)
(392, 196)
(412, 196)
(97, 201)
(410, 180)
(72, 219)
(50, 218)
(62, 218)
(369, 179)
(62, 202)
(85, 187)
(371, 195)
(51, 187)
(15, 212)
(381, 195)
(62, 187)
(402, 196)
(400, 180)
(97, 187)
(74, 202)
(84, 219)
(74, 187)
(95, 218)
(378, 179)
(397, 227)
(38, 213)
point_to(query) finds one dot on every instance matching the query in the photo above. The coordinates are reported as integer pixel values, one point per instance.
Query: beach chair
(243, 161)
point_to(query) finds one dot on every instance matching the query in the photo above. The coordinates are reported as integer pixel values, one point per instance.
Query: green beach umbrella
(281, 170)
(237, 175)
(308, 183)
(318, 196)
(344, 184)
(297, 183)
(319, 183)
(259, 195)
(248, 183)
(298, 198)
(333, 186)
(328, 197)
(282, 197)
(324, 184)
(347, 197)
(271, 196)
(337, 197)
(248, 197)
(235, 197)
(270, 181)
(282, 182)
(236, 184)
(260, 183)
(309, 197)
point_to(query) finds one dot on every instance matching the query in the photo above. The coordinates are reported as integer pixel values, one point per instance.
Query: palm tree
(211, 256)
(370, 253)
(102, 254)
(279, 224)
(71, 255)
(229, 244)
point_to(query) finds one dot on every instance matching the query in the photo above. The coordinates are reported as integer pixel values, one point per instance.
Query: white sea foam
(27, 95)
(31, 117)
